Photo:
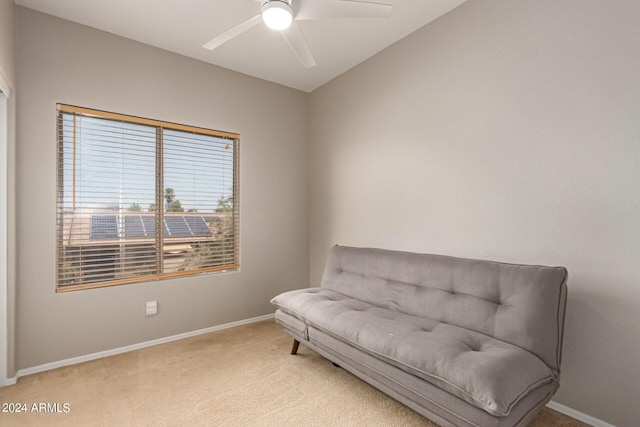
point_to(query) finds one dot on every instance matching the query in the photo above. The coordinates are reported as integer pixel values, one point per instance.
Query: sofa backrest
(520, 304)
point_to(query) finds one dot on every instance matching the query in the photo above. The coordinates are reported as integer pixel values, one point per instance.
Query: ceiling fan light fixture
(277, 14)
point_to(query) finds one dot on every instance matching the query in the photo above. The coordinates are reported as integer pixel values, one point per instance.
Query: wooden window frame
(160, 126)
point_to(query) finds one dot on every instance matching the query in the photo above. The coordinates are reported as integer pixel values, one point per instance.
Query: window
(140, 199)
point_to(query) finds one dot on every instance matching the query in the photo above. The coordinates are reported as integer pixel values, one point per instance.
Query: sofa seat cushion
(477, 368)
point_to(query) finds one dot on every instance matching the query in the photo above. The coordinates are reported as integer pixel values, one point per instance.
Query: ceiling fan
(281, 15)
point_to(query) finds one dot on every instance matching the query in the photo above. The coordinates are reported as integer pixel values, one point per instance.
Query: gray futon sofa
(463, 342)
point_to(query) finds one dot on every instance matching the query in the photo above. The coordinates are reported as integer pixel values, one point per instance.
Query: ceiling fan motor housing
(277, 14)
(289, 2)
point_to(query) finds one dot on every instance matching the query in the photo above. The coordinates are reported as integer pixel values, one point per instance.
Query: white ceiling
(183, 26)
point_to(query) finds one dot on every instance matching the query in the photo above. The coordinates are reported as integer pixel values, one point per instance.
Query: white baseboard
(112, 352)
(8, 381)
(578, 415)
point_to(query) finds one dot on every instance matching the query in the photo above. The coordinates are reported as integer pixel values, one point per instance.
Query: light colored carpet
(242, 376)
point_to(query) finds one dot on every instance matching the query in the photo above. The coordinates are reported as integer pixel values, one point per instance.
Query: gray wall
(7, 68)
(506, 130)
(59, 61)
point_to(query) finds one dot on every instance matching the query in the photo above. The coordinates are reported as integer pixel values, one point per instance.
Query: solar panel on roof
(178, 227)
(149, 223)
(133, 226)
(198, 226)
(137, 226)
(104, 227)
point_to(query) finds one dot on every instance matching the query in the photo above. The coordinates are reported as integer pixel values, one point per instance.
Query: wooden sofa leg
(294, 349)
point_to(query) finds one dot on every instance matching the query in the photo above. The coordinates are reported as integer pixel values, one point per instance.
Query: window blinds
(140, 199)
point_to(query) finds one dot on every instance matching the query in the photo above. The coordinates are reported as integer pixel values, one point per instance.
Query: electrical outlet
(151, 308)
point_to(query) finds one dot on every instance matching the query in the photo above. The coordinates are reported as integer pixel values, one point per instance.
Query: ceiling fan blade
(293, 35)
(235, 31)
(342, 9)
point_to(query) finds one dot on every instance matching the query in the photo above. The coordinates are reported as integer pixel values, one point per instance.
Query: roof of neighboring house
(109, 228)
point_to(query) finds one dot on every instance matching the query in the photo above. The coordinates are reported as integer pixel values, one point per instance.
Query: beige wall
(506, 130)
(59, 61)
(7, 75)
